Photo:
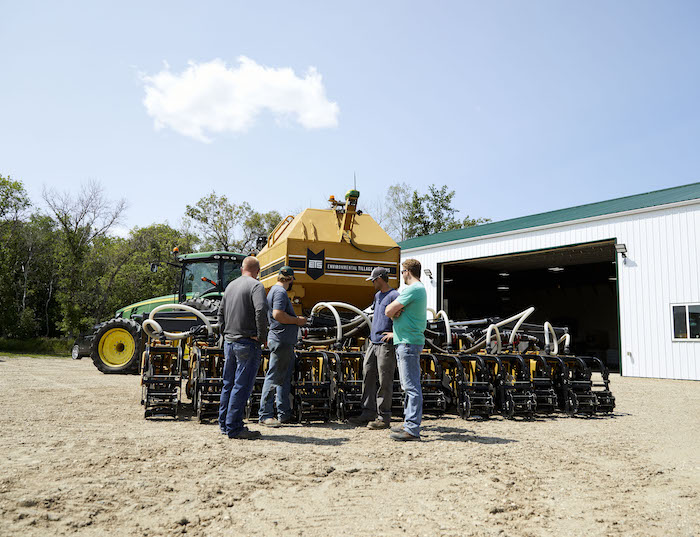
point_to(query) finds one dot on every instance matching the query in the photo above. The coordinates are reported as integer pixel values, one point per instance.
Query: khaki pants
(378, 380)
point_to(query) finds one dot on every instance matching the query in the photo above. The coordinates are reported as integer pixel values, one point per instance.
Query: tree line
(62, 269)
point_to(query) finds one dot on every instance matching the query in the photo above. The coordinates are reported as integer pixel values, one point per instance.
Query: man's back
(243, 310)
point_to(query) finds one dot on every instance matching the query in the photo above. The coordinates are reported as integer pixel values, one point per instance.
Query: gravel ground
(78, 458)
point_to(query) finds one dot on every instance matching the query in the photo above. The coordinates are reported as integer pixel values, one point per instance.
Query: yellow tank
(332, 252)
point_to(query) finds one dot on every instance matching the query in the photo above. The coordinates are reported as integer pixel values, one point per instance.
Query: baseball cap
(377, 273)
(287, 271)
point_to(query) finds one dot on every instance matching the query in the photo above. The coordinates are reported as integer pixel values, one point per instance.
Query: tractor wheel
(117, 346)
(203, 304)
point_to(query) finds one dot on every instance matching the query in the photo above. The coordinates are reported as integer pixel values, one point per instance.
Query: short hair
(283, 278)
(250, 264)
(412, 266)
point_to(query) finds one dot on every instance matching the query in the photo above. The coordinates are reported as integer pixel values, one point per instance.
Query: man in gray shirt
(243, 322)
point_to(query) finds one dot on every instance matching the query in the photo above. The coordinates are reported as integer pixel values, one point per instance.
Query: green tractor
(117, 344)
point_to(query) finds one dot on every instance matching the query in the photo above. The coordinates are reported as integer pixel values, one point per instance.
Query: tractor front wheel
(117, 346)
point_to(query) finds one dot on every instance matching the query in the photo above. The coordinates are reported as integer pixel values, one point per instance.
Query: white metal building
(623, 275)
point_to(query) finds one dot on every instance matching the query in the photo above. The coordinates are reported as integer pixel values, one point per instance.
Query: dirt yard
(78, 458)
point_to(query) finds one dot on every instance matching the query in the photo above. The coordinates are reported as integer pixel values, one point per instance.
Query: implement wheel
(117, 346)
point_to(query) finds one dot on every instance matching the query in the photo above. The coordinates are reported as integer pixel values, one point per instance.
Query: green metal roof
(618, 205)
(209, 255)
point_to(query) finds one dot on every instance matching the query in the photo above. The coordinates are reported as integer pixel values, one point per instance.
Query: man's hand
(254, 338)
(301, 321)
(387, 336)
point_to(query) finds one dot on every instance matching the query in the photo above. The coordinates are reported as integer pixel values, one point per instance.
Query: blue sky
(520, 107)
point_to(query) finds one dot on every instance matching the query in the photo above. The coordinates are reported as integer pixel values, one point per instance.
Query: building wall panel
(662, 268)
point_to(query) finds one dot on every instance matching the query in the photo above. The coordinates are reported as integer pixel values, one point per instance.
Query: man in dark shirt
(243, 322)
(284, 330)
(379, 363)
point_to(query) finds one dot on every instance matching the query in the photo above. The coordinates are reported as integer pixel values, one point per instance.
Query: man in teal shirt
(409, 314)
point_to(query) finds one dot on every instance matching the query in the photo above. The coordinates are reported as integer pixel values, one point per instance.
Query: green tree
(433, 212)
(13, 199)
(417, 223)
(256, 225)
(217, 219)
(85, 253)
(229, 226)
(134, 281)
(441, 213)
(398, 207)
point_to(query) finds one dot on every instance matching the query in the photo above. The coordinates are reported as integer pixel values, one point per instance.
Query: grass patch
(37, 347)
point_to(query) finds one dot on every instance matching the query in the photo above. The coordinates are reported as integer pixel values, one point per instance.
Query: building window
(686, 321)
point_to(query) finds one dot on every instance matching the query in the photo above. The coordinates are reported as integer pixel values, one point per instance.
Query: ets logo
(315, 263)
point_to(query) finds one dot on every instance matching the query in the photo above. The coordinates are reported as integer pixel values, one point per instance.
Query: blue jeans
(408, 362)
(240, 369)
(278, 381)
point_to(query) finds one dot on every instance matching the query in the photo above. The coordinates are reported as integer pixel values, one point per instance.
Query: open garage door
(573, 286)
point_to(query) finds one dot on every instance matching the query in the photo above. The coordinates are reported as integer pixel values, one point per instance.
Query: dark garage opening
(572, 286)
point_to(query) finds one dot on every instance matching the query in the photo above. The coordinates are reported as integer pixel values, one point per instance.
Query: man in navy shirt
(379, 363)
(284, 330)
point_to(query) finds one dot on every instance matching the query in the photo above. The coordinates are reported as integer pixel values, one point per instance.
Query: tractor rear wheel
(117, 346)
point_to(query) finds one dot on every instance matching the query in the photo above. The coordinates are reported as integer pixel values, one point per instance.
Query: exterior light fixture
(503, 274)
(503, 288)
(622, 249)
(428, 273)
(556, 269)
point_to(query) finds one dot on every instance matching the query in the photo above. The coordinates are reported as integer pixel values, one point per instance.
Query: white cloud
(209, 98)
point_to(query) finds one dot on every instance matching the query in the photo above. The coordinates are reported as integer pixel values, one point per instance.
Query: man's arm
(283, 317)
(394, 309)
(260, 305)
(221, 315)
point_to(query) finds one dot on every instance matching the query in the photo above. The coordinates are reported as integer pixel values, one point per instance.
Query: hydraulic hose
(548, 328)
(154, 330)
(338, 324)
(442, 314)
(339, 327)
(524, 315)
(493, 327)
(566, 338)
(351, 308)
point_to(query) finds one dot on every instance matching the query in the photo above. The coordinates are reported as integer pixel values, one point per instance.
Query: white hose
(548, 328)
(493, 327)
(152, 328)
(431, 310)
(524, 315)
(514, 317)
(353, 309)
(442, 314)
(338, 324)
(566, 338)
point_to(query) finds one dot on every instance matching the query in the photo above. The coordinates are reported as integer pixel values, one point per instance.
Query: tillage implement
(470, 367)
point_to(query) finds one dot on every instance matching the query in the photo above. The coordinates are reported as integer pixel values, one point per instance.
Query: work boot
(362, 419)
(245, 434)
(270, 422)
(397, 428)
(378, 424)
(404, 436)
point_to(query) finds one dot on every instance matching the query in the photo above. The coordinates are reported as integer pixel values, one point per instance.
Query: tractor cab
(206, 274)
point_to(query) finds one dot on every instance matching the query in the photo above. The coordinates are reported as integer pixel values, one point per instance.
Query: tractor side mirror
(154, 267)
